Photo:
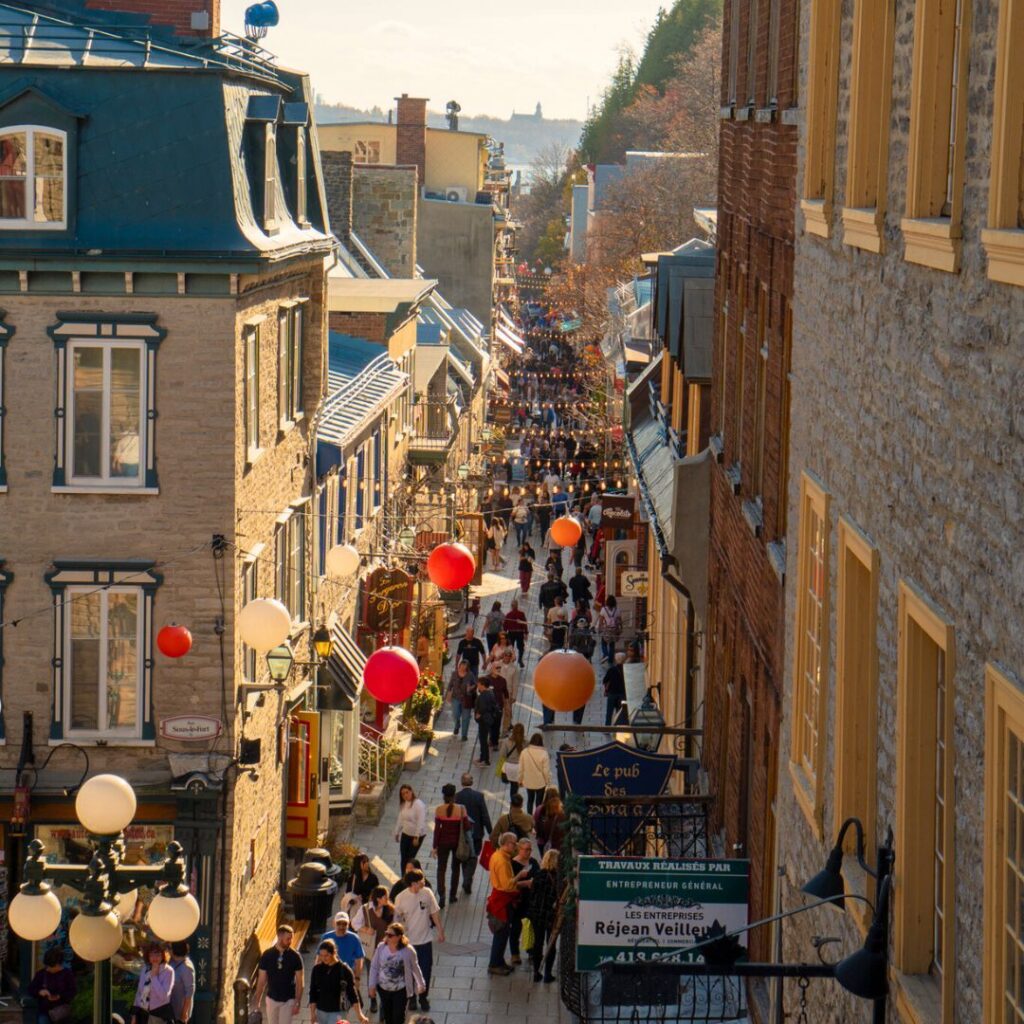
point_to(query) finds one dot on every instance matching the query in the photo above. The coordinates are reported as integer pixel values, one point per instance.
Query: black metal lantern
(279, 662)
(647, 716)
(322, 643)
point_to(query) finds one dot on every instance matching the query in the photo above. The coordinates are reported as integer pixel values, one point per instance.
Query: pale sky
(492, 57)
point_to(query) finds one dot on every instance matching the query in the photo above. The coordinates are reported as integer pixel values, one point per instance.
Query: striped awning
(343, 672)
(510, 340)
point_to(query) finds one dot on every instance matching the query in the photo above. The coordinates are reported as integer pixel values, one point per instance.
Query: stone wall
(384, 215)
(906, 404)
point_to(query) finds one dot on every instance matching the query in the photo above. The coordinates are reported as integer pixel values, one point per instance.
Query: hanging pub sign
(633, 583)
(615, 770)
(389, 595)
(617, 511)
(632, 909)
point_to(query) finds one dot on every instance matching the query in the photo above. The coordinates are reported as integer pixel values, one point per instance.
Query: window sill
(252, 455)
(777, 559)
(3, 488)
(753, 516)
(1005, 250)
(743, 113)
(933, 242)
(862, 228)
(735, 477)
(99, 489)
(805, 801)
(918, 997)
(100, 741)
(817, 217)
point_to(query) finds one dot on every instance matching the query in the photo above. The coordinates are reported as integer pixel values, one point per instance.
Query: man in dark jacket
(470, 650)
(476, 806)
(579, 587)
(488, 713)
(614, 691)
(549, 590)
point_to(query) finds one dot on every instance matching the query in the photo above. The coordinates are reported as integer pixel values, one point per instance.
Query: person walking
(551, 588)
(579, 587)
(550, 820)
(346, 944)
(609, 628)
(333, 988)
(53, 987)
(184, 991)
(470, 650)
(378, 913)
(496, 654)
(544, 900)
(410, 825)
(418, 912)
(517, 629)
(525, 571)
(534, 771)
(487, 713)
(461, 694)
(501, 901)
(510, 750)
(515, 819)
(554, 564)
(395, 975)
(496, 541)
(280, 977)
(526, 867)
(450, 821)
(557, 620)
(476, 806)
(156, 982)
(521, 521)
(362, 881)
(492, 625)
(581, 633)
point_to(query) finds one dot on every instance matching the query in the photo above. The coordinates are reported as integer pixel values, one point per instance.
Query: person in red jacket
(517, 628)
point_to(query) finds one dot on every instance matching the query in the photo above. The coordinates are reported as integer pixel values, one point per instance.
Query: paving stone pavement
(462, 992)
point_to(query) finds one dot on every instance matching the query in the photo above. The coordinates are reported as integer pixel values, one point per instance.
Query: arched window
(33, 178)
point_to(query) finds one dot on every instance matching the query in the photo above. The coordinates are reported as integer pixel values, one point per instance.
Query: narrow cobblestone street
(462, 992)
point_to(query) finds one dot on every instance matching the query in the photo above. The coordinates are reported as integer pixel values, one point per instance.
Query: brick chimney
(337, 169)
(185, 17)
(411, 140)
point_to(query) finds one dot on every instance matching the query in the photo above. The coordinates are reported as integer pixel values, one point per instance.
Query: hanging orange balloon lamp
(174, 641)
(566, 531)
(564, 680)
(451, 566)
(391, 675)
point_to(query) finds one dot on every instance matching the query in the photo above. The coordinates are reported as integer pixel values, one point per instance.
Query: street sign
(191, 728)
(615, 770)
(633, 909)
(634, 583)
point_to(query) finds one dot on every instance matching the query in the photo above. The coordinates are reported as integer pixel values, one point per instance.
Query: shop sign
(389, 601)
(633, 583)
(617, 511)
(191, 728)
(615, 770)
(633, 909)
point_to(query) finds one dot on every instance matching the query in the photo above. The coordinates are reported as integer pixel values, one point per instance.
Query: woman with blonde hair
(544, 901)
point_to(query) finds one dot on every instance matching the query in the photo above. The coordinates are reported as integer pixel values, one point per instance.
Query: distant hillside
(525, 135)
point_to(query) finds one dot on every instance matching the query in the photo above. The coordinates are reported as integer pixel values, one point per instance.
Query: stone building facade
(904, 646)
(158, 387)
(743, 652)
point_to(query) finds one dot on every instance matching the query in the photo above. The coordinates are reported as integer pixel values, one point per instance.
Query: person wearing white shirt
(418, 910)
(411, 825)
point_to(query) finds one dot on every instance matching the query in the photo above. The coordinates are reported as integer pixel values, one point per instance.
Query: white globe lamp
(342, 560)
(174, 918)
(105, 805)
(34, 914)
(95, 937)
(264, 623)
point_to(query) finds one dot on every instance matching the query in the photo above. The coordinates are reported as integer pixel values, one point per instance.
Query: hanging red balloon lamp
(174, 641)
(451, 566)
(391, 675)
(564, 680)
(566, 531)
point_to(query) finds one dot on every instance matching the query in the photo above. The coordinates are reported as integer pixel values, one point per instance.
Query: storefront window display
(70, 844)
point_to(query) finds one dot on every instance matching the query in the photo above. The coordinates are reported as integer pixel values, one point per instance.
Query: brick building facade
(904, 647)
(743, 653)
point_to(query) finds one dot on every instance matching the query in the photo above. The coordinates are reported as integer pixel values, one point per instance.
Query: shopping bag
(485, 854)
(464, 850)
(526, 936)
(500, 766)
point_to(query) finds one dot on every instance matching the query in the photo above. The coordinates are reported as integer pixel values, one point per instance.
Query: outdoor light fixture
(407, 536)
(828, 883)
(463, 471)
(866, 972)
(322, 643)
(279, 662)
(647, 717)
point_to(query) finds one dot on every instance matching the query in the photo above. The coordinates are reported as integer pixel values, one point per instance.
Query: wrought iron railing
(434, 425)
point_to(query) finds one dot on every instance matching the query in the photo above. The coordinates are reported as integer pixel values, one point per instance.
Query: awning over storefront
(502, 377)
(343, 671)
(638, 350)
(515, 343)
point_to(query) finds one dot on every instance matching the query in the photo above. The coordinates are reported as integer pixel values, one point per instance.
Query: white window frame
(291, 533)
(291, 325)
(105, 479)
(134, 732)
(301, 198)
(251, 387)
(270, 176)
(5, 335)
(29, 221)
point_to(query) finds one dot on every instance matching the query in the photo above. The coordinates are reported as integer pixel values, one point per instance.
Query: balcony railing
(435, 428)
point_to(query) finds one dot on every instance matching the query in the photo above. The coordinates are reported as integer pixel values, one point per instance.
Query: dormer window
(33, 178)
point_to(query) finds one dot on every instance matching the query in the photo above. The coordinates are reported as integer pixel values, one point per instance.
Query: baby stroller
(581, 637)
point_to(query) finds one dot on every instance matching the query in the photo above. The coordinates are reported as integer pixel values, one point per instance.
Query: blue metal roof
(430, 334)
(363, 379)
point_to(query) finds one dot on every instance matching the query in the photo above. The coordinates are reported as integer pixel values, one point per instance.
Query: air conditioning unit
(456, 194)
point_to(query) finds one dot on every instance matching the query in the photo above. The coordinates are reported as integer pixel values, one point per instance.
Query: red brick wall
(411, 135)
(176, 13)
(756, 201)
(371, 326)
